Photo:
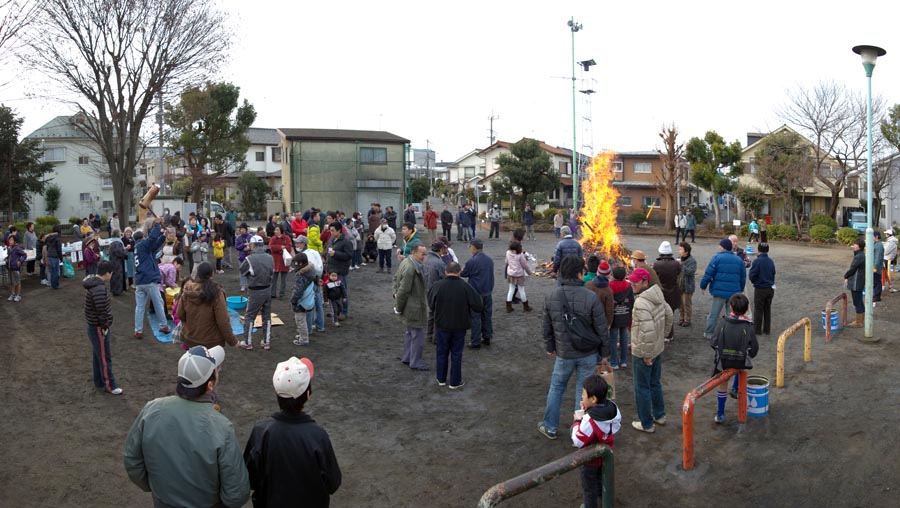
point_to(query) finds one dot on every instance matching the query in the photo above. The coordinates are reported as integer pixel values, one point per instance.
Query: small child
(15, 260)
(596, 422)
(218, 244)
(306, 276)
(593, 263)
(336, 293)
(619, 338)
(735, 344)
(98, 314)
(370, 253)
(91, 253)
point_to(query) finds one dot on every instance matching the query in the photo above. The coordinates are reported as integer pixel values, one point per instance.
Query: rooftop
(262, 136)
(61, 127)
(341, 135)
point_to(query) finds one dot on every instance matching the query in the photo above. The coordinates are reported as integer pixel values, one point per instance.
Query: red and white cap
(292, 377)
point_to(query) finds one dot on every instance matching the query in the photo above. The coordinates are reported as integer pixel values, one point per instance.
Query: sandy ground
(403, 441)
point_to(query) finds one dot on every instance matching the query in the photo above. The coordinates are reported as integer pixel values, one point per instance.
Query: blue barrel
(757, 396)
(831, 321)
(749, 249)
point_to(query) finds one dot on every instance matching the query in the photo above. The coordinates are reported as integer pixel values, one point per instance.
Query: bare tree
(851, 145)
(784, 165)
(117, 55)
(823, 114)
(15, 15)
(672, 156)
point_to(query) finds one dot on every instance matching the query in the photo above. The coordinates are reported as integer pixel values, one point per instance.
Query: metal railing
(807, 348)
(515, 486)
(687, 411)
(843, 316)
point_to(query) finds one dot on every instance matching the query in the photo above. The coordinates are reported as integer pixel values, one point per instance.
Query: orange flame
(598, 214)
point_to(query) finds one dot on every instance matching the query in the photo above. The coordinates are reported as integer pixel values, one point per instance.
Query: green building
(334, 169)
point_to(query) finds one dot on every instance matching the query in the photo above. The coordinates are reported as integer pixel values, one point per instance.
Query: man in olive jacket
(582, 302)
(651, 318)
(409, 291)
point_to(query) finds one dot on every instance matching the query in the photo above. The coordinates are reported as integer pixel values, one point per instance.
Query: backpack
(308, 299)
(582, 334)
(733, 348)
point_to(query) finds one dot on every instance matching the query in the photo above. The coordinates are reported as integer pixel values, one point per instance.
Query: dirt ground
(402, 441)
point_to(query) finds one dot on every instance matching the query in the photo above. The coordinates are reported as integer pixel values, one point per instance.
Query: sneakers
(116, 391)
(623, 365)
(138, 335)
(337, 323)
(660, 421)
(45, 282)
(543, 430)
(441, 383)
(640, 427)
(363, 263)
(719, 418)
(298, 342)
(266, 346)
(615, 366)
(457, 387)
(245, 345)
(732, 393)
(11, 298)
(18, 298)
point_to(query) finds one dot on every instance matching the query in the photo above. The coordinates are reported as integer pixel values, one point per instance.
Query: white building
(265, 152)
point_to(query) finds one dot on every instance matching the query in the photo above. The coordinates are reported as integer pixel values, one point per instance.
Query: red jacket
(276, 246)
(299, 227)
(430, 219)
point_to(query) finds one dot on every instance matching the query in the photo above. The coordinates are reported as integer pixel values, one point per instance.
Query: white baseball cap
(257, 239)
(292, 377)
(198, 363)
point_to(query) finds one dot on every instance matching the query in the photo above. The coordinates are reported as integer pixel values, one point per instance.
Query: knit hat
(197, 364)
(292, 377)
(604, 269)
(665, 248)
(565, 231)
(726, 244)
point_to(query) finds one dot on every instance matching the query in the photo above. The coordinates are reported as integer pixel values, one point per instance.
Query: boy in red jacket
(619, 327)
(596, 422)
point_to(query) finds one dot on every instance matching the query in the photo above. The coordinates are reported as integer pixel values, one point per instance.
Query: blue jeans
(320, 312)
(648, 395)
(858, 303)
(715, 312)
(102, 361)
(53, 268)
(562, 371)
(346, 306)
(618, 337)
(473, 230)
(141, 294)
(482, 322)
(450, 344)
(357, 258)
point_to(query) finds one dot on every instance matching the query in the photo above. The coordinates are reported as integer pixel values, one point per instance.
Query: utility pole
(491, 120)
(574, 27)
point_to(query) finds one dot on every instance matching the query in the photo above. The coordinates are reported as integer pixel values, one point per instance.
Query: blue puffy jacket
(146, 271)
(725, 275)
(566, 247)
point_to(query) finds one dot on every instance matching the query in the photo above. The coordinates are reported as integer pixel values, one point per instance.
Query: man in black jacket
(409, 215)
(226, 232)
(339, 255)
(446, 221)
(98, 315)
(289, 457)
(54, 255)
(584, 304)
(453, 301)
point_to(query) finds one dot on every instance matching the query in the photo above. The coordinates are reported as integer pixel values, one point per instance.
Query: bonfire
(599, 231)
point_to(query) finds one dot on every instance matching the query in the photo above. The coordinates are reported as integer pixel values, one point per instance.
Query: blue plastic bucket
(749, 249)
(757, 396)
(831, 321)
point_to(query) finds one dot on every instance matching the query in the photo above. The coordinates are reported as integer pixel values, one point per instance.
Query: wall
(268, 165)
(73, 179)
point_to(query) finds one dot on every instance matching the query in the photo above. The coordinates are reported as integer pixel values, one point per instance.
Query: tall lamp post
(574, 27)
(869, 54)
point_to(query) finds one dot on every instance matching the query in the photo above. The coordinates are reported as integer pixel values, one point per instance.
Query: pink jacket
(516, 264)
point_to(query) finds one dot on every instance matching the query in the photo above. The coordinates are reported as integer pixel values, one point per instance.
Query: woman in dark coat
(855, 279)
(669, 271)
(118, 255)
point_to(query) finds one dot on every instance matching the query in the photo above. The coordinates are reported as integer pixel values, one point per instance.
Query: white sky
(437, 70)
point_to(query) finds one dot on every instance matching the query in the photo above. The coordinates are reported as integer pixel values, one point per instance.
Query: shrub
(728, 229)
(821, 219)
(783, 232)
(698, 214)
(74, 220)
(47, 220)
(744, 231)
(515, 216)
(821, 232)
(847, 236)
(637, 218)
(549, 213)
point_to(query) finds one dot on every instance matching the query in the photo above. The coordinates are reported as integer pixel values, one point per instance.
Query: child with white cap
(289, 456)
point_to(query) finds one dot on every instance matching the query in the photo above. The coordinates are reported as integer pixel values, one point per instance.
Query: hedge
(847, 235)
(783, 232)
(821, 232)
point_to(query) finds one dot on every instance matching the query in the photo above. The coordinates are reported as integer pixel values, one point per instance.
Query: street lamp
(869, 54)
(574, 27)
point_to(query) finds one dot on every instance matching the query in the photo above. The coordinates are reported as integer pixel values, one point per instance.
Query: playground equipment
(843, 315)
(687, 413)
(807, 348)
(496, 494)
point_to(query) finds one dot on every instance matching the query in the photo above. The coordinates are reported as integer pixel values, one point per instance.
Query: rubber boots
(509, 307)
(526, 306)
(860, 321)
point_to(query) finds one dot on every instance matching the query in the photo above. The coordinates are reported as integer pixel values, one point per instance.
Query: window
(84, 159)
(107, 205)
(649, 201)
(373, 155)
(553, 195)
(643, 167)
(617, 168)
(825, 170)
(55, 154)
(481, 170)
(564, 167)
(260, 156)
(106, 182)
(84, 196)
(276, 154)
(470, 171)
(624, 201)
(851, 189)
(143, 170)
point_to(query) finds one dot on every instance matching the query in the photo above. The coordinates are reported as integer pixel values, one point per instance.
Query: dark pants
(762, 310)
(53, 268)
(429, 328)
(384, 255)
(691, 231)
(446, 230)
(259, 301)
(495, 230)
(858, 304)
(280, 292)
(752, 236)
(103, 375)
(450, 345)
(482, 322)
(680, 233)
(591, 486)
(763, 237)
(29, 267)
(876, 286)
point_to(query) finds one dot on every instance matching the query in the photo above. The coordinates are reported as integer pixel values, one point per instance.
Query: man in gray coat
(257, 268)
(433, 270)
(409, 291)
(558, 342)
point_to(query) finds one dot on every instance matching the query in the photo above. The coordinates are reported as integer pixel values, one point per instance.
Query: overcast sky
(437, 71)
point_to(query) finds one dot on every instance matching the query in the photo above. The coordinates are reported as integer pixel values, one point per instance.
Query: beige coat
(651, 319)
